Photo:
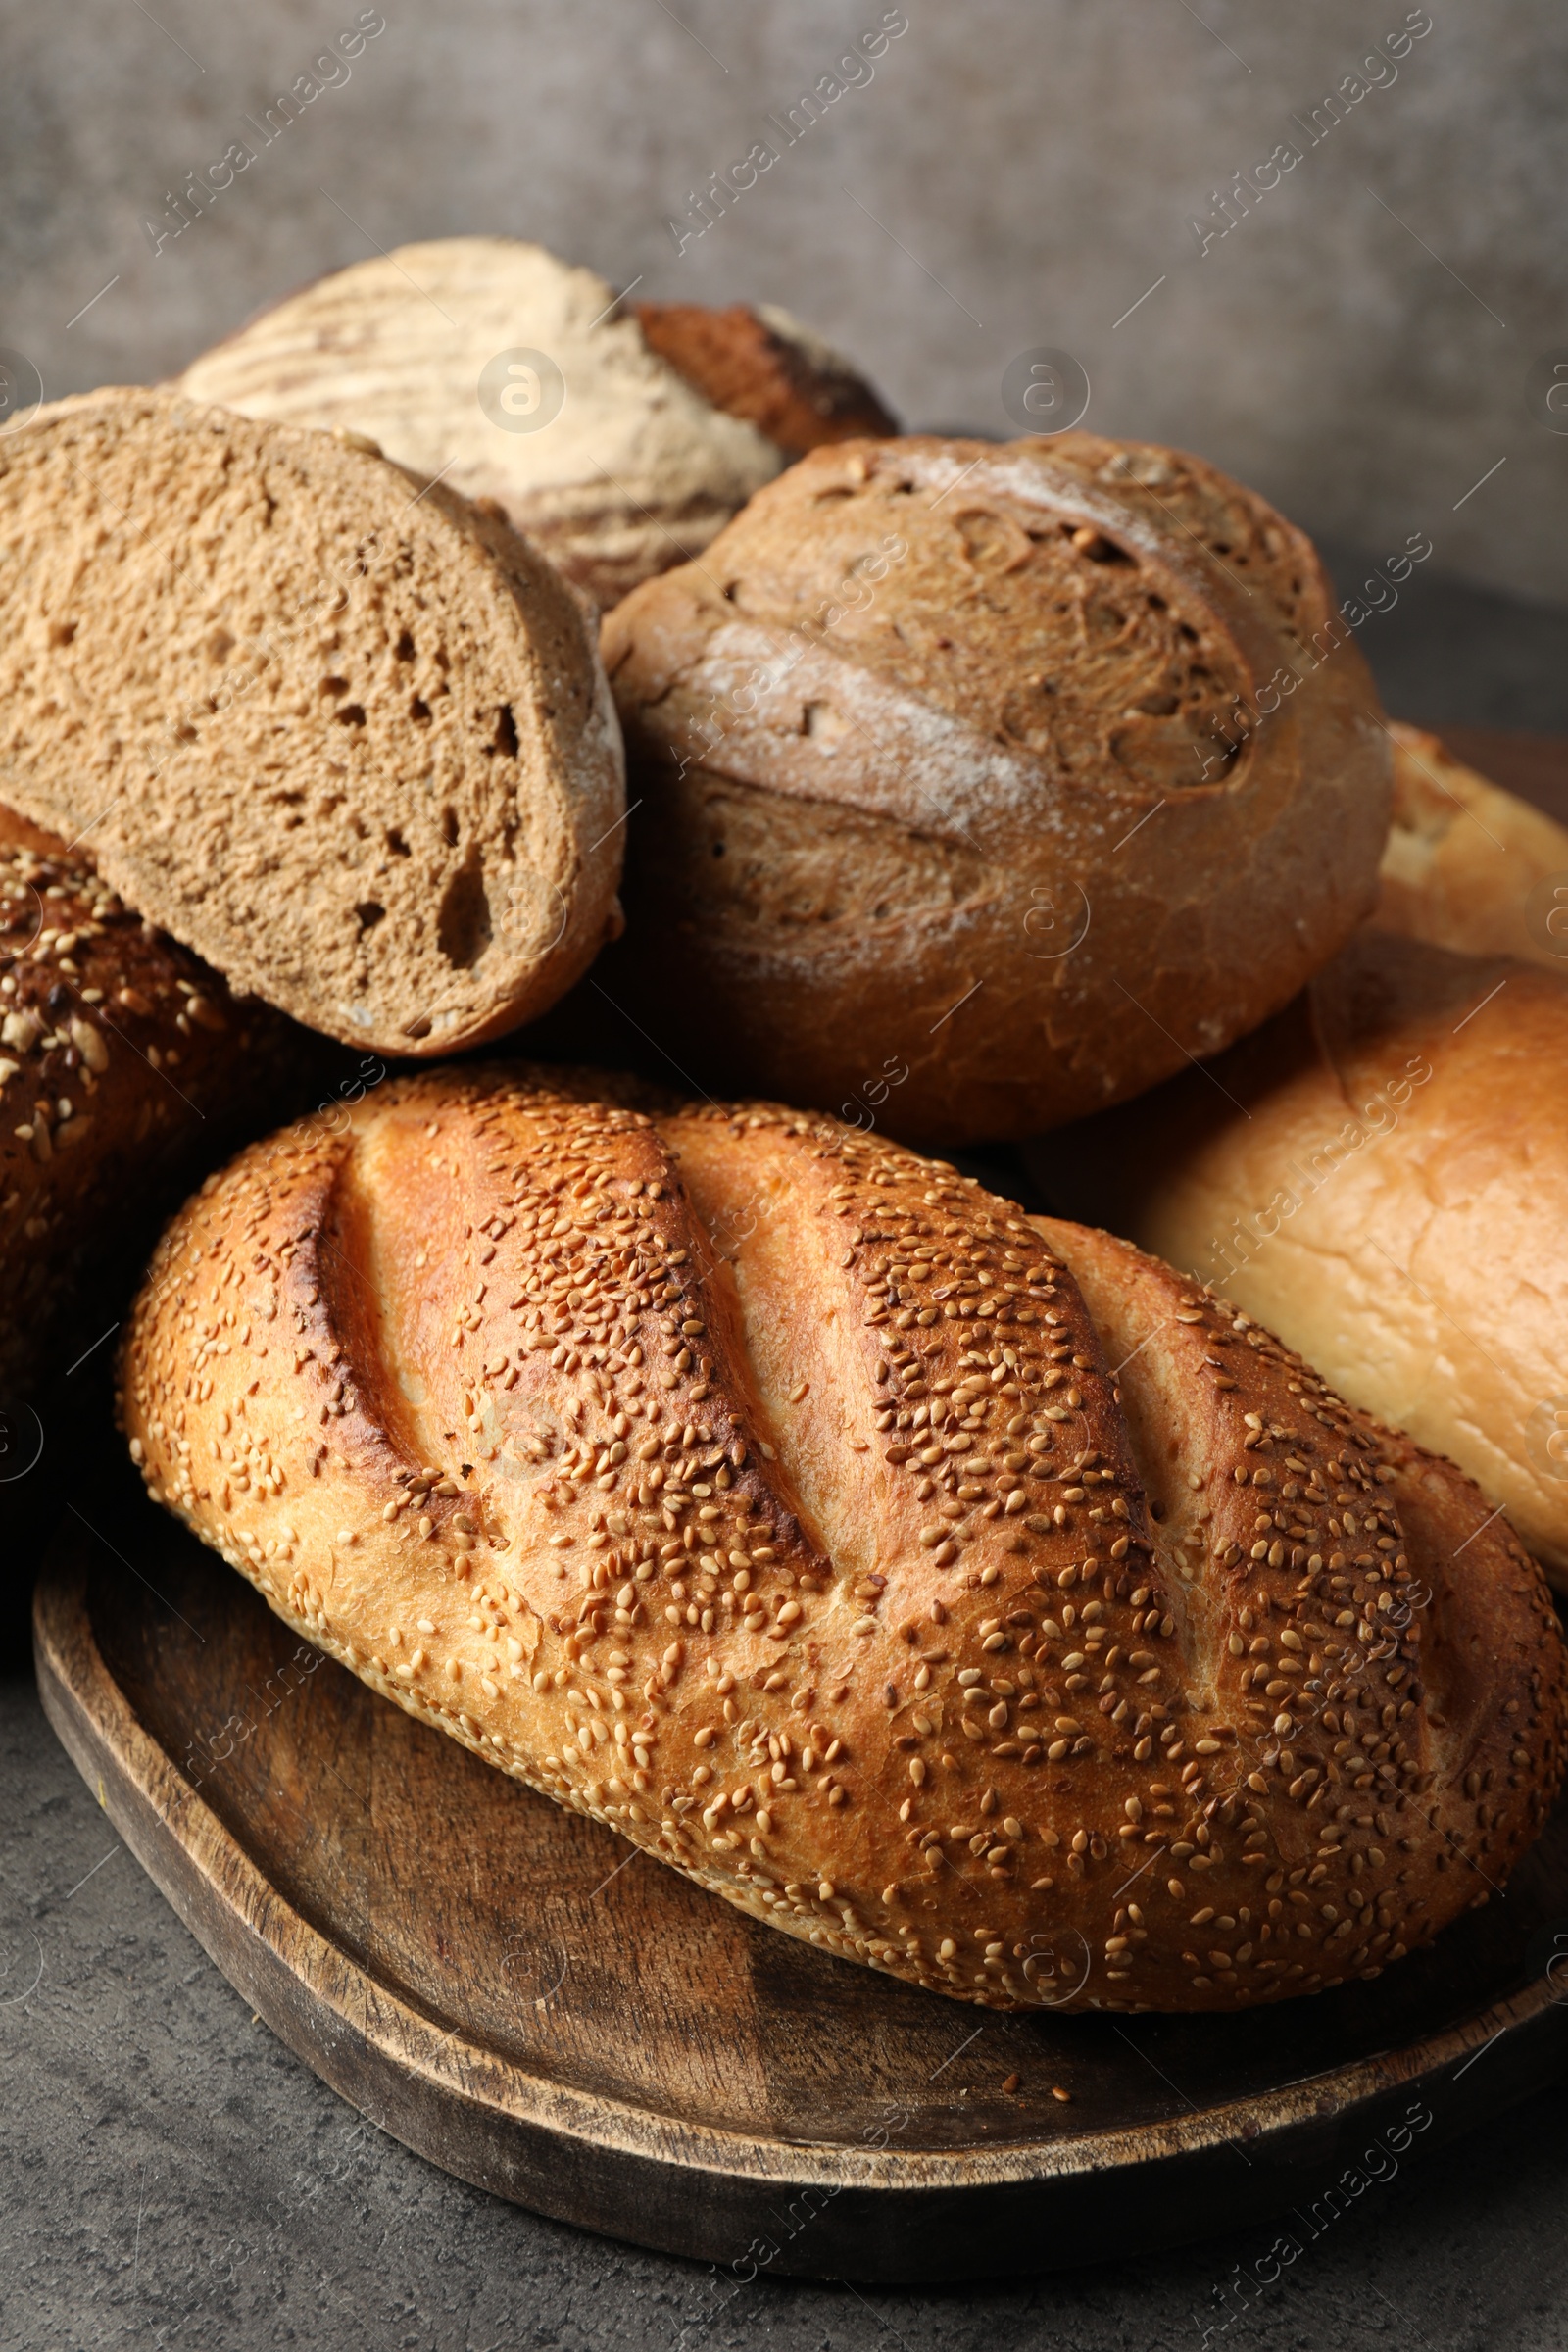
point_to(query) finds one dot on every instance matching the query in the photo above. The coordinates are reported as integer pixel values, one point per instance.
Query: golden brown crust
(1365, 1628)
(18, 832)
(1381, 1175)
(797, 393)
(1468, 865)
(766, 1490)
(125, 1064)
(932, 778)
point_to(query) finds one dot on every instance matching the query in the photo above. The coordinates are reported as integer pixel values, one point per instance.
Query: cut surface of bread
(348, 741)
(968, 1596)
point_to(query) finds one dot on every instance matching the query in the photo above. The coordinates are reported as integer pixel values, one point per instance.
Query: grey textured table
(171, 2174)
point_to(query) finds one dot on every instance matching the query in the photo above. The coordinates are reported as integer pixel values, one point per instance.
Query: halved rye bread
(348, 739)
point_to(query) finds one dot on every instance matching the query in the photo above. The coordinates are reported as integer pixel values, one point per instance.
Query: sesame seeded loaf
(667, 416)
(125, 1067)
(349, 743)
(980, 787)
(764, 1491)
(18, 832)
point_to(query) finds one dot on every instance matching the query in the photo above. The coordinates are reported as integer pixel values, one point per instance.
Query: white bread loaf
(1380, 1174)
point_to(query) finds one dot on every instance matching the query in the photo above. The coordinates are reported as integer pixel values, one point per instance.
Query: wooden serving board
(541, 2009)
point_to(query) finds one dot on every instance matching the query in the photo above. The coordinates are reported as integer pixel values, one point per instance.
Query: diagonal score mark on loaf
(1140, 641)
(845, 1600)
(1324, 1510)
(613, 1264)
(481, 1396)
(1211, 1511)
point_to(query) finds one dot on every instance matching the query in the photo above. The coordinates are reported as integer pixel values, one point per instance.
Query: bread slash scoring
(964, 1593)
(935, 757)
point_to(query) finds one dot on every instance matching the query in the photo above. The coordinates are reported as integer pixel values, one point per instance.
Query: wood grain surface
(528, 2002)
(511, 1990)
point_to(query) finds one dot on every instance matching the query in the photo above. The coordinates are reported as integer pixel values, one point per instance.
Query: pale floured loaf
(642, 465)
(966, 1594)
(348, 741)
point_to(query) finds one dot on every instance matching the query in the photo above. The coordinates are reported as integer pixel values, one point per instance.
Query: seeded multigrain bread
(767, 1492)
(619, 437)
(975, 788)
(125, 1067)
(18, 832)
(347, 741)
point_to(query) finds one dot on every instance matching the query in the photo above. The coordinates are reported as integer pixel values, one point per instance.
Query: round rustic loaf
(1381, 1175)
(977, 787)
(967, 1595)
(621, 438)
(348, 740)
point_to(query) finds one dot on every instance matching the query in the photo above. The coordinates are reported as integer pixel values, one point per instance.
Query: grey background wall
(1015, 172)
